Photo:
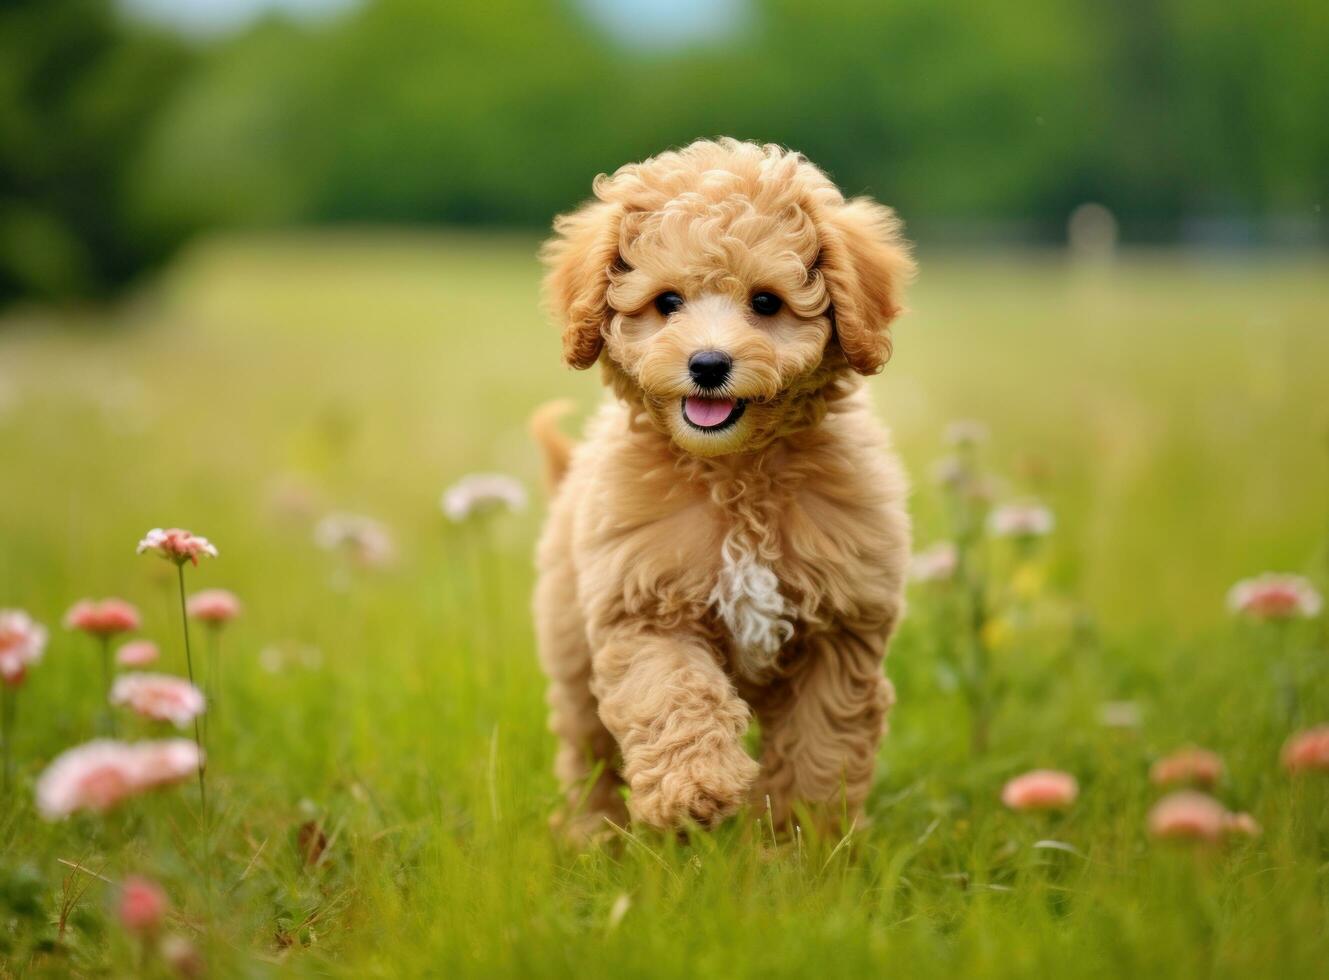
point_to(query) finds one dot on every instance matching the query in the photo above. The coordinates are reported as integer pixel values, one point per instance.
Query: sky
(641, 23)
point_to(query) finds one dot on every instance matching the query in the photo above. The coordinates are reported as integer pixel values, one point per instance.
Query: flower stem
(106, 684)
(7, 706)
(189, 665)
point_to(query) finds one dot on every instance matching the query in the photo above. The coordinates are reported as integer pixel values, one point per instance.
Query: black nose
(709, 368)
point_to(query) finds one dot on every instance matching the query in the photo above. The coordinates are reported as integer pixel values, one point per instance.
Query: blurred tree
(77, 91)
(977, 117)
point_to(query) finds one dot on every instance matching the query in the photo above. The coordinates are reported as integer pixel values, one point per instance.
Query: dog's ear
(579, 258)
(866, 264)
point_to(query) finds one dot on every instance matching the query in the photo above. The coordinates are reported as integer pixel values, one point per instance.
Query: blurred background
(128, 127)
(255, 248)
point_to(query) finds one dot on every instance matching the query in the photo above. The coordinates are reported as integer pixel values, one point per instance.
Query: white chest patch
(759, 619)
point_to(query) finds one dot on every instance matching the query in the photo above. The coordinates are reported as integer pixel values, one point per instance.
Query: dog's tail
(556, 445)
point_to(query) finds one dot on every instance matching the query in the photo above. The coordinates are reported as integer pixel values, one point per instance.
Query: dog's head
(726, 286)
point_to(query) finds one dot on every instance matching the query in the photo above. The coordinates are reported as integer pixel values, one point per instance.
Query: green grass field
(1172, 411)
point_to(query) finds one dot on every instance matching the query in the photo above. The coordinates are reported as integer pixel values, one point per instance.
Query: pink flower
(105, 618)
(938, 563)
(160, 697)
(1307, 751)
(214, 606)
(1242, 824)
(1029, 520)
(1188, 765)
(1274, 596)
(482, 492)
(101, 774)
(1188, 815)
(22, 643)
(176, 545)
(136, 653)
(1041, 789)
(142, 905)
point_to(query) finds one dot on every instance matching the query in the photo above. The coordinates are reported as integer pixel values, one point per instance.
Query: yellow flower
(1028, 580)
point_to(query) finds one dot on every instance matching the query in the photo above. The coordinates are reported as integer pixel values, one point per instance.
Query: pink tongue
(707, 412)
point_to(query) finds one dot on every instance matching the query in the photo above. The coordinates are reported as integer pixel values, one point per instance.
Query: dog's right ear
(579, 258)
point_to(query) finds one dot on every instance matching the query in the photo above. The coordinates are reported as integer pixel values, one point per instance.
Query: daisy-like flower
(22, 642)
(1275, 596)
(160, 697)
(966, 432)
(216, 607)
(482, 493)
(1029, 520)
(176, 545)
(1188, 815)
(364, 539)
(137, 653)
(1041, 789)
(102, 774)
(102, 619)
(1189, 765)
(143, 906)
(937, 563)
(1307, 751)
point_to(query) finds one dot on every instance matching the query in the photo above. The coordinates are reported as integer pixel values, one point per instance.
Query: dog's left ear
(579, 259)
(866, 264)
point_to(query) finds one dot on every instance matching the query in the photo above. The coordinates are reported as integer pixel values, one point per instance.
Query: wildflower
(1029, 520)
(1274, 596)
(1188, 765)
(142, 905)
(215, 607)
(1041, 789)
(102, 619)
(1188, 815)
(966, 432)
(366, 540)
(182, 956)
(176, 545)
(1119, 714)
(937, 563)
(159, 697)
(480, 493)
(1307, 751)
(1242, 824)
(136, 653)
(101, 774)
(22, 643)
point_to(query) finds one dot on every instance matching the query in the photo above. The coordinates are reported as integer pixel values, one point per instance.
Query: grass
(1169, 408)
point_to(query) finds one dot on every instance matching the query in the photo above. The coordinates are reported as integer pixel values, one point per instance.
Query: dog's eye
(668, 303)
(766, 304)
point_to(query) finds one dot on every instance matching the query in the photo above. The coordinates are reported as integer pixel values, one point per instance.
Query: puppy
(731, 538)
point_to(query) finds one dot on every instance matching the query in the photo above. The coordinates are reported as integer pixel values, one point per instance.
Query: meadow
(379, 770)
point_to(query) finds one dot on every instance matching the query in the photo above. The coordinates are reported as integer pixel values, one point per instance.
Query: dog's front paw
(699, 785)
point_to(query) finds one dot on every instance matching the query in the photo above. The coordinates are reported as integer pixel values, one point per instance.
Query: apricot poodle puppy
(731, 538)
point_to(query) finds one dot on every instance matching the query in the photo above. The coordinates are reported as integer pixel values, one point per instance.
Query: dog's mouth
(712, 414)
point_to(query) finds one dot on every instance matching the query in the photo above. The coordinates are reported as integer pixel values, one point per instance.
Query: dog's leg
(587, 761)
(678, 722)
(821, 727)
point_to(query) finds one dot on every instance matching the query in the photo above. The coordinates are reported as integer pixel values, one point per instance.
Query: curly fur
(691, 579)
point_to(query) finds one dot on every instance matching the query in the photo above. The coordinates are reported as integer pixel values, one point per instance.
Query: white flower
(966, 432)
(481, 492)
(1029, 520)
(937, 563)
(366, 540)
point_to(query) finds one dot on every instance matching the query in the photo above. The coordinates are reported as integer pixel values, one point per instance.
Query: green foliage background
(1187, 118)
